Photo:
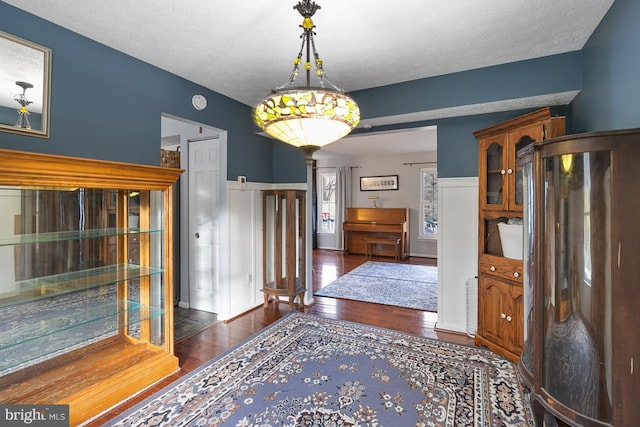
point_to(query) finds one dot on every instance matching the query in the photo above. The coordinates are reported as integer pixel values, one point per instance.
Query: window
(429, 206)
(326, 202)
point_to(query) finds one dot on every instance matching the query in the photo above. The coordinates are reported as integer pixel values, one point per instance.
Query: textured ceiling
(244, 48)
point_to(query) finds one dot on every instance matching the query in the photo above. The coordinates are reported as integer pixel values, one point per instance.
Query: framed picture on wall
(379, 183)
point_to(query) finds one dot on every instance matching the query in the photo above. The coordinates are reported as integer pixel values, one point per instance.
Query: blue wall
(107, 105)
(611, 95)
(457, 148)
(551, 74)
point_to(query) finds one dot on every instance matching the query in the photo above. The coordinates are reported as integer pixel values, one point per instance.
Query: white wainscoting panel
(244, 284)
(244, 213)
(457, 249)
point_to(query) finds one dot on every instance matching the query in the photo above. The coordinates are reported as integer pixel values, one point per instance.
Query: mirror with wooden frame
(25, 75)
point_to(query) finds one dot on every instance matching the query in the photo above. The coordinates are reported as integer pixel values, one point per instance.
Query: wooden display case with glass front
(86, 290)
(500, 205)
(581, 293)
(284, 258)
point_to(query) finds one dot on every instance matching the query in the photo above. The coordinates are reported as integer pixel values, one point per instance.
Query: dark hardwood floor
(327, 266)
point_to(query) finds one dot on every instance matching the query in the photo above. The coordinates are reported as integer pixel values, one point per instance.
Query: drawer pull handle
(503, 315)
(516, 274)
(492, 268)
(508, 318)
(503, 171)
(509, 171)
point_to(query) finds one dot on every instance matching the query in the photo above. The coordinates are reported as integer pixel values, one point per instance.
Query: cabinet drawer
(507, 268)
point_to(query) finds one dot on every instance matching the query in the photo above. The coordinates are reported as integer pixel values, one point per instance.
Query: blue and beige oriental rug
(402, 285)
(305, 370)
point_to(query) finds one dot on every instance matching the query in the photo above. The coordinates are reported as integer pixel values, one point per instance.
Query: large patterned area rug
(402, 285)
(305, 370)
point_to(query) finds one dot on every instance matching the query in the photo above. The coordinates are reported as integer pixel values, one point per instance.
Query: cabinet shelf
(32, 290)
(26, 239)
(281, 287)
(75, 325)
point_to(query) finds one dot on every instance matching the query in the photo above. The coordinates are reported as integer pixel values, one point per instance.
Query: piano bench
(371, 243)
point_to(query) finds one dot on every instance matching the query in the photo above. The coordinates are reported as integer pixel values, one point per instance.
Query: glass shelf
(59, 284)
(26, 239)
(39, 335)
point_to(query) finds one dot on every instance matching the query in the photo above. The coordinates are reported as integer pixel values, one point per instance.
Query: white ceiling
(244, 48)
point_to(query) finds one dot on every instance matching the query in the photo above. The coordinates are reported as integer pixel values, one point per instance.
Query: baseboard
(451, 329)
(423, 256)
(183, 304)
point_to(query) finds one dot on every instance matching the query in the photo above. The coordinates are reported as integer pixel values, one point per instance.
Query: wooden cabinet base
(92, 380)
(497, 349)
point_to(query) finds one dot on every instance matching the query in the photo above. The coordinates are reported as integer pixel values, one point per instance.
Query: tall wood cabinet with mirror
(86, 290)
(582, 252)
(500, 181)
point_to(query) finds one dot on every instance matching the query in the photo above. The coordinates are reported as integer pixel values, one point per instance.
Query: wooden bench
(372, 242)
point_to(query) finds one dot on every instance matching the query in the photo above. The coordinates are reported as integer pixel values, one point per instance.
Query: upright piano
(361, 223)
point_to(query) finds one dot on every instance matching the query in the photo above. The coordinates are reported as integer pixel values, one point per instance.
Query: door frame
(222, 221)
(181, 129)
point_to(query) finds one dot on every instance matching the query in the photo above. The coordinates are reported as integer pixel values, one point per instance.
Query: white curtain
(343, 200)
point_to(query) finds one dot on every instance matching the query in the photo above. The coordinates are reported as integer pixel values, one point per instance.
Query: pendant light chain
(307, 117)
(309, 41)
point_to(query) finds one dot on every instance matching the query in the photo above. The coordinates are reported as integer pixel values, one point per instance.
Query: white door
(204, 224)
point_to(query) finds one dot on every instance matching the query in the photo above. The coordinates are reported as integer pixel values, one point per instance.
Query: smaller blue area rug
(401, 285)
(305, 370)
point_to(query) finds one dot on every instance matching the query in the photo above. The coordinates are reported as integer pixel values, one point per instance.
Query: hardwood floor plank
(327, 267)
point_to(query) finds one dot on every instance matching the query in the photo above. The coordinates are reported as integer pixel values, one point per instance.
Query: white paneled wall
(457, 248)
(244, 216)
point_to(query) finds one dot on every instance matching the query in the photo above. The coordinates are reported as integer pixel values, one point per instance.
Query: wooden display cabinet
(284, 237)
(582, 345)
(86, 291)
(500, 182)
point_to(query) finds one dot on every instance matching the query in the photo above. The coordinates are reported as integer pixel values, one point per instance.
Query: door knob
(197, 235)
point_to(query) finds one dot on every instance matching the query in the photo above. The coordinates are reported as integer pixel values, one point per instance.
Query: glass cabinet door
(518, 140)
(79, 265)
(577, 336)
(284, 245)
(495, 170)
(528, 281)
